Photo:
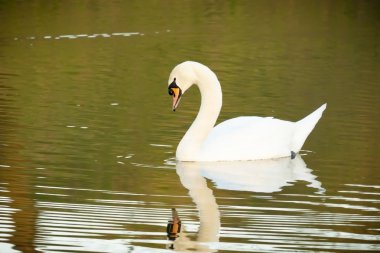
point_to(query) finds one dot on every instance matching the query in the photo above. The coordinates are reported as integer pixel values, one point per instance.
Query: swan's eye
(171, 86)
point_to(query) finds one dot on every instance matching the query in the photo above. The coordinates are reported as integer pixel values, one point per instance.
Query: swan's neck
(211, 104)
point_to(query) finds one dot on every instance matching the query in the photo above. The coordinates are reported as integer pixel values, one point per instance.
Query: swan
(242, 138)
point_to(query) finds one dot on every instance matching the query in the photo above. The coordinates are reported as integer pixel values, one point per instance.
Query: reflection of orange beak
(176, 97)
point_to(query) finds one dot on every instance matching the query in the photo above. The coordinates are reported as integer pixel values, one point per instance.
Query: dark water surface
(87, 135)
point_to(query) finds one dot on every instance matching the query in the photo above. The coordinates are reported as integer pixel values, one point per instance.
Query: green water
(88, 137)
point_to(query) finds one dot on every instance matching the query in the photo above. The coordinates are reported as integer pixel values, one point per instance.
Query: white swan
(242, 138)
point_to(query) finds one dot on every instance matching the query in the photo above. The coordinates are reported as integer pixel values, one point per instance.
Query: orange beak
(176, 97)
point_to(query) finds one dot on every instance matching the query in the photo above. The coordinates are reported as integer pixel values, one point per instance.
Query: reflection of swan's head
(256, 176)
(204, 199)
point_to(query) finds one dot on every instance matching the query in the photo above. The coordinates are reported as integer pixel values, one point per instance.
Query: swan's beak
(176, 97)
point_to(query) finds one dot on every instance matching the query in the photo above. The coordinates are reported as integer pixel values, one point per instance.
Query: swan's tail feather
(304, 128)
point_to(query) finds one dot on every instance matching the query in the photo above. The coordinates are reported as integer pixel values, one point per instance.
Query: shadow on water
(263, 176)
(18, 212)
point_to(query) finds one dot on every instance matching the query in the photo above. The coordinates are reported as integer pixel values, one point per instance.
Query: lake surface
(88, 137)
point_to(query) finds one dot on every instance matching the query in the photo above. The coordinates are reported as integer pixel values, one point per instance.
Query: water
(87, 135)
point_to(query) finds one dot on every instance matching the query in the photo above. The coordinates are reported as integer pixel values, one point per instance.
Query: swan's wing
(249, 138)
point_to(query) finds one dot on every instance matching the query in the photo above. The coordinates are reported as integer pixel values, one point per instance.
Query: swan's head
(181, 78)
(176, 92)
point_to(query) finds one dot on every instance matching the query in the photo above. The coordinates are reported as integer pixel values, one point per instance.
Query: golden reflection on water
(21, 210)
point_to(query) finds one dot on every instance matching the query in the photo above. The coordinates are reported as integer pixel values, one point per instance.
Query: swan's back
(253, 138)
(248, 138)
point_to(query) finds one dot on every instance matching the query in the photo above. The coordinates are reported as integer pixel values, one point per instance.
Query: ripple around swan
(89, 227)
(297, 217)
(116, 221)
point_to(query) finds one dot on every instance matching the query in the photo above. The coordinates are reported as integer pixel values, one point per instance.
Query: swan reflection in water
(265, 176)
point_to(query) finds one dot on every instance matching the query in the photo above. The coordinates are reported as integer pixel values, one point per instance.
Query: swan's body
(242, 138)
